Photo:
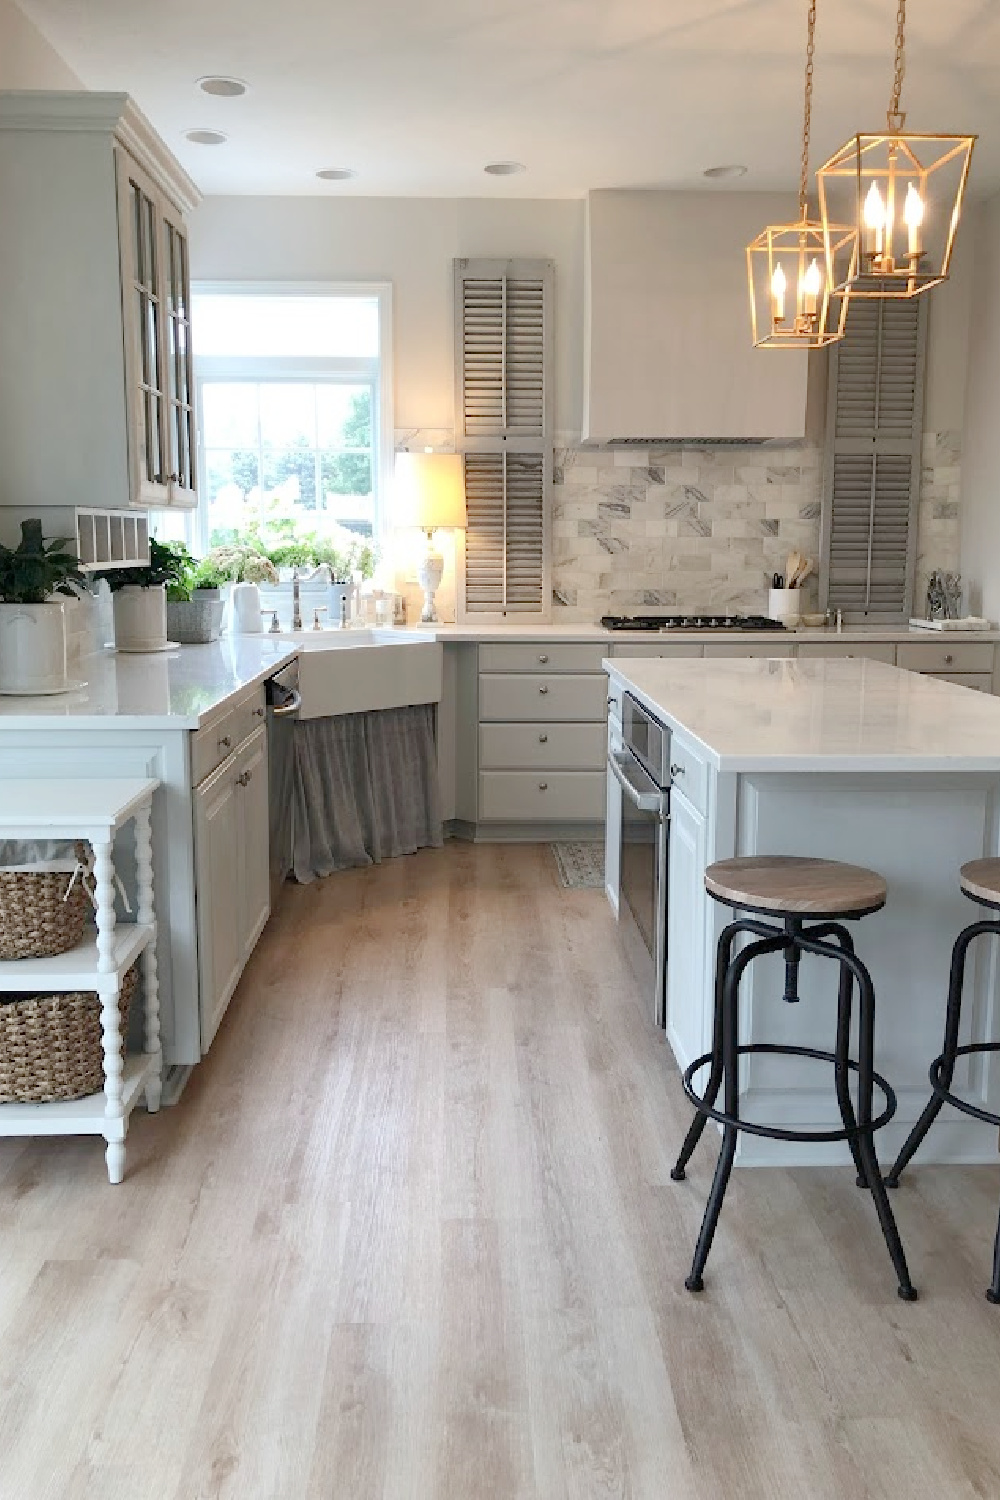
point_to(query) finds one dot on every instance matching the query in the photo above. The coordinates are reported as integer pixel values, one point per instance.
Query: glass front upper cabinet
(158, 358)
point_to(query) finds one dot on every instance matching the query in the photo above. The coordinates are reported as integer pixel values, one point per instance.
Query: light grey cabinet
(96, 414)
(231, 874)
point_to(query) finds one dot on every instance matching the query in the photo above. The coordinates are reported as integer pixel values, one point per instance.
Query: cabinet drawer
(747, 648)
(864, 650)
(556, 747)
(982, 682)
(689, 773)
(540, 656)
(940, 656)
(211, 745)
(549, 796)
(533, 696)
(642, 650)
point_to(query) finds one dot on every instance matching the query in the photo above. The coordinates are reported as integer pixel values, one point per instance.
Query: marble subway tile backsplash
(706, 527)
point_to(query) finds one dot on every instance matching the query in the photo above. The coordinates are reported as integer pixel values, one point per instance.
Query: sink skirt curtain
(366, 789)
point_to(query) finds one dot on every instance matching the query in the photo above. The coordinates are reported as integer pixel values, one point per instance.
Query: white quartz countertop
(834, 714)
(597, 633)
(163, 690)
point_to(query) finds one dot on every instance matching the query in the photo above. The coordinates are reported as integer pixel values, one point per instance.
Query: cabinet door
(141, 250)
(218, 813)
(687, 980)
(180, 441)
(254, 867)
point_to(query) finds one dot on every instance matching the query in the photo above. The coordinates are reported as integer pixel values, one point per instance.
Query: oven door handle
(648, 802)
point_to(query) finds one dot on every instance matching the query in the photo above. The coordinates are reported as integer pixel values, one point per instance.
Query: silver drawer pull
(226, 742)
(543, 739)
(258, 713)
(676, 770)
(543, 659)
(543, 691)
(543, 786)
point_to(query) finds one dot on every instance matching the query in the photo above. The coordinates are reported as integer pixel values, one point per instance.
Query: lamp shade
(430, 490)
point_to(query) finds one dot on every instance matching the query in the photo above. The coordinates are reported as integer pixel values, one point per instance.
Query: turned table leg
(111, 1034)
(144, 872)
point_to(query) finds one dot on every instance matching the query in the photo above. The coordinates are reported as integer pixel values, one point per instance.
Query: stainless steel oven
(642, 769)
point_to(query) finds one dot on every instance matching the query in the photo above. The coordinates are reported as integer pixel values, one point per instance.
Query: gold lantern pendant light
(905, 193)
(791, 306)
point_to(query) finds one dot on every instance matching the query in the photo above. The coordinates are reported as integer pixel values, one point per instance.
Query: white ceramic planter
(141, 618)
(33, 648)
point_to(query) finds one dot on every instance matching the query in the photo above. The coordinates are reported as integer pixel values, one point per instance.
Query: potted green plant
(140, 598)
(194, 607)
(32, 618)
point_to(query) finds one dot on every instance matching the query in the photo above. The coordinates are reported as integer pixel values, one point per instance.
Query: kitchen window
(293, 391)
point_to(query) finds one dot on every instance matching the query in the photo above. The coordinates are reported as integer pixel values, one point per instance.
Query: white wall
(981, 447)
(948, 338)
(412, 243)
(27, 61)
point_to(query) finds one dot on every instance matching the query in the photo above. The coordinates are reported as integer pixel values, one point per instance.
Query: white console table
(93, 810)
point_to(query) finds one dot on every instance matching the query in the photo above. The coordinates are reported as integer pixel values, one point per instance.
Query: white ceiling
(587, 93)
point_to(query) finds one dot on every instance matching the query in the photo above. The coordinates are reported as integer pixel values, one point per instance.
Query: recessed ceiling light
(221, 86)
(336, 174)
(504, 168)
(733, 170)
(206, 137)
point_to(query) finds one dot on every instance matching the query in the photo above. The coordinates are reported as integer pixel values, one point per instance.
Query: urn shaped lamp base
(429, 577)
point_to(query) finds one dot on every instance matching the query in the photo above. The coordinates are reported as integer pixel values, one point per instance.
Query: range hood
(667, 347)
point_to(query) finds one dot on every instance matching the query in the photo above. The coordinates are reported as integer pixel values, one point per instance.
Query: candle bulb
(874, 220)
(778, 284)
(812, 281)
(913, 214)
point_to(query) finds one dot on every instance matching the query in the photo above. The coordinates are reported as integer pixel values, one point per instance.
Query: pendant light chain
(807, 113)
(897, 120)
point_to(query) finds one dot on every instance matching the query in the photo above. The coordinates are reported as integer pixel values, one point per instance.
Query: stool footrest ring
(989, 1117)
(780, 1133)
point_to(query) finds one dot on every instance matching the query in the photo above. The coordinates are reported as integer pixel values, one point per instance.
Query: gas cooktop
(690, 622)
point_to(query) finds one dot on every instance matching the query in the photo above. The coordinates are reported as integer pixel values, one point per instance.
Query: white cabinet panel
(687, 981)
(865, 650)
(555, 747)
(613, 821)
(217, 862)
(255, 889)
(747, 648)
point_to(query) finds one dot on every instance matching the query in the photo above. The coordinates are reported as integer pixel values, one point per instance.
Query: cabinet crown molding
(117, 115)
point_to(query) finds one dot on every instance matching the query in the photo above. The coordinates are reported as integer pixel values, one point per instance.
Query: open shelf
(77, 969)
(80, 1116)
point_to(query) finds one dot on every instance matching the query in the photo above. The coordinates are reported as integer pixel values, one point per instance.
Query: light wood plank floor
(410, 1233)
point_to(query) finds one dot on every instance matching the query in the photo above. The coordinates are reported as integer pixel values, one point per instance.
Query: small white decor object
(33, 648)
(246, 609)
(430, 493)
(784, 605)
(141, 618)
(968, 622)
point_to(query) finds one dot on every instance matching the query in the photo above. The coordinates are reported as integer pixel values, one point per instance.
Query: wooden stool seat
(798, 887)
(980, 880)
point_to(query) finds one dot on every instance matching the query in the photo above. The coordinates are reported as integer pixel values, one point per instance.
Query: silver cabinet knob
(258, 713)
(676, 770)
(948, 659)
(543, 786)
(543, 659)
(543, 690)
(543, 739)
(226, 742)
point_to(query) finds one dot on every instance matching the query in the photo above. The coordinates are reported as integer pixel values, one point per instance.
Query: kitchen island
(840, 759)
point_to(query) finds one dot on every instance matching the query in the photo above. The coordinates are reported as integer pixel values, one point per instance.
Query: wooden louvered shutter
(503, 427)
(872, 464)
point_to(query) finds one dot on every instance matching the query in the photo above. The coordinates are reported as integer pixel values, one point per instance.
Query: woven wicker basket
(37, 918)
(50, 1045)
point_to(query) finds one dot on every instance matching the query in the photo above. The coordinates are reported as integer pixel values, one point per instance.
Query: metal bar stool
(980, 881)
(824, 893)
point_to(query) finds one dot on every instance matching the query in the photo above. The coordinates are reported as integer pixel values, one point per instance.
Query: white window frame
(375, 371)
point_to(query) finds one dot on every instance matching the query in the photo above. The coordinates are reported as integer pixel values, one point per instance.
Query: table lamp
(430, 493)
